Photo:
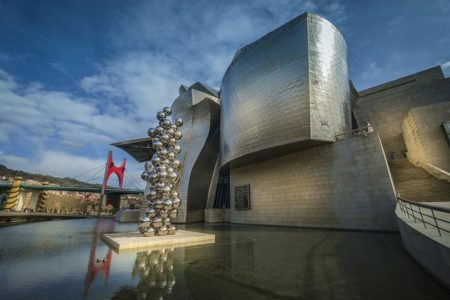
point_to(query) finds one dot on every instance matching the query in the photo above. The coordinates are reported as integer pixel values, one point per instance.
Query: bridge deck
(73, 189)
(9, 215)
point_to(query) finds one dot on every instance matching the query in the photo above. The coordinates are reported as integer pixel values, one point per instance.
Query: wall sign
(242, 197)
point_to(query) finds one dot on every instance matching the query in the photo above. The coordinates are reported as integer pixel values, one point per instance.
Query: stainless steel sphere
(165, 138)
(144, 219)
(151, 132)
(159, 130)
(156, 160)
(166, 124)
(149, 231)
(176, 149)
(148, 167)
(176, 202)
(173, 176)
(166, 190)
(172, 141)
(162, 153)
(161, 116)
(167, 204)
(153, 178)
(177, 135)
(171, 156)
(162, 230)
(162, 174)
(179, 122)
(176, 164)
(159, 186)
(150, 212)
(159, 204)
(142, 228)
(167, 111)
(173, 214)
(157, 145)
(171, 229)
(166, 221)
(163, 214)
(156, 222)
(145, 175)
(174, 194)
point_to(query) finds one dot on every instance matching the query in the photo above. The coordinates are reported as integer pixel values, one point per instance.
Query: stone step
(415, 184)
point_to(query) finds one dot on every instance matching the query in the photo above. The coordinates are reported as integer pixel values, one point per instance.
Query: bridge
(31, 199)
(113, 191)
(20, 216)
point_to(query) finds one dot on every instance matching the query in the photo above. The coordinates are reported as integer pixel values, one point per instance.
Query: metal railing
(429, 215)
(355, 132)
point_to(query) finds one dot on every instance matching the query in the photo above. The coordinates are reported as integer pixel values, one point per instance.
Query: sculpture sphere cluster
(155, 271)
(162, 177)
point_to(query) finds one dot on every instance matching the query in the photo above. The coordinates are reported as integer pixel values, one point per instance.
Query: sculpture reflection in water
(98, 265)
(155, 272)
(162, 178)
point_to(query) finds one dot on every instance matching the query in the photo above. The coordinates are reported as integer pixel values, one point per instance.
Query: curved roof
(140, 149)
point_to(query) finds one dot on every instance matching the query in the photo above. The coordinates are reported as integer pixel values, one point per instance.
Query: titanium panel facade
(286, 91)
(330, 108)
(200, 111)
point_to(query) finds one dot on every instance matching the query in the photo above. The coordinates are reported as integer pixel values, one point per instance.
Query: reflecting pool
(67, 260)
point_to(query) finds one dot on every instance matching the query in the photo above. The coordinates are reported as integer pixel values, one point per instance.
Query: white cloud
(144, 80)
(48, 125)
(152, 57)
(446, 68)
(62, 164)
(58, 114)
(12, 160)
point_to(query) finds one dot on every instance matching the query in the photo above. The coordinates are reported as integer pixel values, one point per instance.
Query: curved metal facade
(200, 110)
(286, 91)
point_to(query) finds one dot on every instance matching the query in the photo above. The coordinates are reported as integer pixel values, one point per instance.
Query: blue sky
(78, 75)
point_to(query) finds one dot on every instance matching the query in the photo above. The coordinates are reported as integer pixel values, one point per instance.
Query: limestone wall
(341, 185)
(385, 106)
(424, 137)
(217, 215)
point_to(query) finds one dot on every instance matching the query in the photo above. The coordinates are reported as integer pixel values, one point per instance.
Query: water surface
(67, 260)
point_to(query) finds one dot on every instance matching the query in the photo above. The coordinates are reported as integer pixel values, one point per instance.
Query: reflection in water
(155, 272)
(98, 265)
(58, 260)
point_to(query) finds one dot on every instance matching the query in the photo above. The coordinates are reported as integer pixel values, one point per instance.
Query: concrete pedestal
(135, 240)
(128, 216)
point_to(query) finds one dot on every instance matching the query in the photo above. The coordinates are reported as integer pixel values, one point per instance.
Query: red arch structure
(111, 168)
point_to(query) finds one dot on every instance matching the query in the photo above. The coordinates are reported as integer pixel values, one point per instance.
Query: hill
(63, 181)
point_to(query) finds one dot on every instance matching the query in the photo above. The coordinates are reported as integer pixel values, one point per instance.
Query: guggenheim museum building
(288, 140)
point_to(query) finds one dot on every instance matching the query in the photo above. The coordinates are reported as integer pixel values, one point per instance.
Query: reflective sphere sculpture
(161, 177)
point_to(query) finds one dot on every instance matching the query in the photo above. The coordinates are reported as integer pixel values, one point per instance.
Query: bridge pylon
(43, 197)
(111, 168)
(13, 196)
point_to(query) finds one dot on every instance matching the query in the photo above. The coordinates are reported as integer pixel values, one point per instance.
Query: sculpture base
(128, 216)
(135, 240)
